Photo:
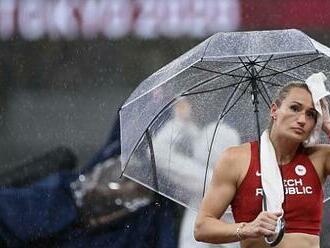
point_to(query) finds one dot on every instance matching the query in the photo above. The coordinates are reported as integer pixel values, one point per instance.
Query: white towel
(271, 177)
(316, 86)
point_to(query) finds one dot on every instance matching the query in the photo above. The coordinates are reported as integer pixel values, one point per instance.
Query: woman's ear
(273, 111)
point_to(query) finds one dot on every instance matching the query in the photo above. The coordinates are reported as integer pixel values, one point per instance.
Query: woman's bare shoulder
(234, 161)
(235, 155)
(235, 152)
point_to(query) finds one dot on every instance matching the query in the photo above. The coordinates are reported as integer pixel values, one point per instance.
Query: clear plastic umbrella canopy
(177, 121)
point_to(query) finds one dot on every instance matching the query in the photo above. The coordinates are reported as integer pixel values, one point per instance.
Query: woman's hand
(263, 225)
(326, 117)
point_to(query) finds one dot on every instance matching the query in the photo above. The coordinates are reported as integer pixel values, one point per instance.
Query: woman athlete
(236, 181)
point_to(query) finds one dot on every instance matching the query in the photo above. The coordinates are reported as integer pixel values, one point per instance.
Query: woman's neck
(285, 149)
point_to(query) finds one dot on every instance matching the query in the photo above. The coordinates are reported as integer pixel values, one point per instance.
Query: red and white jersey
(303, 201)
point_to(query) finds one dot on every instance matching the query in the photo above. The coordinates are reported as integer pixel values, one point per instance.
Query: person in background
(226, 136)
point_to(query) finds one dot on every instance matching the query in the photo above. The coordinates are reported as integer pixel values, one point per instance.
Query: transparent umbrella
(178, 120)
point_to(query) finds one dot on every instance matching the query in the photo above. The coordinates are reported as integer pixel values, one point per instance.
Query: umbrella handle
(280, 227)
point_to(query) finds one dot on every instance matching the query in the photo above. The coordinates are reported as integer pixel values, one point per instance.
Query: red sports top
(303, 201)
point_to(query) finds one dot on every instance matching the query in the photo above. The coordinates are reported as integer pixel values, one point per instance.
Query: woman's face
(295, 118)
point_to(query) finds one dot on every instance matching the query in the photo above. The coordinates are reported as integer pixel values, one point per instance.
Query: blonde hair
(283, 93)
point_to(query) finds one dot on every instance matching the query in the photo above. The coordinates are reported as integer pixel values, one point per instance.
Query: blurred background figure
(66, 67)
(181, 151)
(174, 149)
(225, 136)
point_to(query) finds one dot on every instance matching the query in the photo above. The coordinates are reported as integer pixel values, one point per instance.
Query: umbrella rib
(221, 116)
(205, 91)
(215, 77)
(290, 69)
(262, 95)
(153, 160)
(215, 89)
(216, 127)
(213, 137)
(224, 113)
(256, 63)
(268, 82)
(234, 93)
(202, 83)
(221, 73)
(272, 69)
(231, 95)
(264, 65)
(266, 91)
(244, 64)
(288, 57)
(278, 71)
(148, 127)
(252, 61)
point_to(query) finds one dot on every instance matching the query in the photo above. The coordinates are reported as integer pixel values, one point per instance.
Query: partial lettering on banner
(66, 18)
(91, 18)
(31, 19)
(225, 16)
(116, 18)
(113, 19)
(172, 21)
(146, 24)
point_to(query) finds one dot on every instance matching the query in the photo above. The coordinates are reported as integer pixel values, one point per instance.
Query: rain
(68, 71)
